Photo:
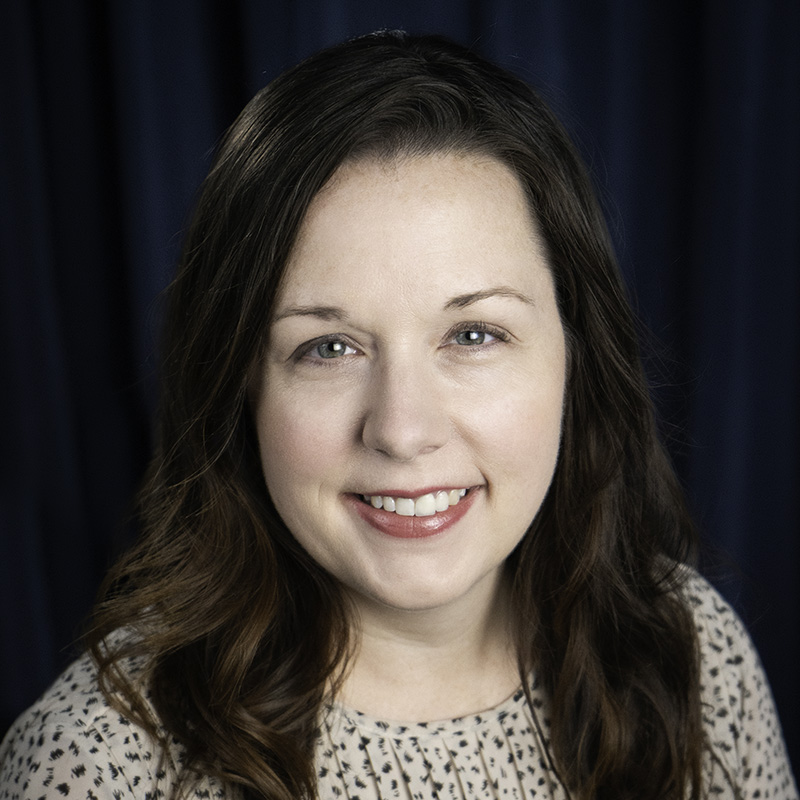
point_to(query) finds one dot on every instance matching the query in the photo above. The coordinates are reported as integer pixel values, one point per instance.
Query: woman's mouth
(425, 505)
(414, 517)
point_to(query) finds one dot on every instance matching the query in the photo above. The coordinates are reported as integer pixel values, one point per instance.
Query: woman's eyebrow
(459, 301)
(463, 300)
(322, 312)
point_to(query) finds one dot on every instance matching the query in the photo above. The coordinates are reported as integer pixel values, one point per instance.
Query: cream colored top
(70, 744)
(502, 752)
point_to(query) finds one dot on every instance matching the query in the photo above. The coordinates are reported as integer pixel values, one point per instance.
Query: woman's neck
(430, 664)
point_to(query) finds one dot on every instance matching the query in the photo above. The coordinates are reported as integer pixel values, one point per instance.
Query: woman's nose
(405, 413)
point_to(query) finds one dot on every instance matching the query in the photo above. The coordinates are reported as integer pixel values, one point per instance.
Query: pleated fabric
(500, 753)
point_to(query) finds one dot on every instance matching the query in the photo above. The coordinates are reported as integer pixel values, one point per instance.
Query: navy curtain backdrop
(688, 112)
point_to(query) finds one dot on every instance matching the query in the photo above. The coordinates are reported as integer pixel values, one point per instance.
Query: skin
(425, 283)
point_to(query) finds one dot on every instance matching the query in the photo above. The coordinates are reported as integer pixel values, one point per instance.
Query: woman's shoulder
(73, 743)
(74, 700)
(731, 670)
(722, 635)
(739, 717)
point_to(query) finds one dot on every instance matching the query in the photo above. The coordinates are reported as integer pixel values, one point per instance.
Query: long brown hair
(241, 631)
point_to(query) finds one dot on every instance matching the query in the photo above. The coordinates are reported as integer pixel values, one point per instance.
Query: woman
(406, 472)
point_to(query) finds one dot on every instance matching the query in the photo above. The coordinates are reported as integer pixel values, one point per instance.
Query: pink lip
(411, 527)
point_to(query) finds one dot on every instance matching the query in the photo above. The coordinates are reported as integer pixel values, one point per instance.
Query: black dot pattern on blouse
(71, 744)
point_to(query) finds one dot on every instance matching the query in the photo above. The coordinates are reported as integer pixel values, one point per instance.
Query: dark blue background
(688, 113)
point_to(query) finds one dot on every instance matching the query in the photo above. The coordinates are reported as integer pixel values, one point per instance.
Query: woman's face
(409, 411)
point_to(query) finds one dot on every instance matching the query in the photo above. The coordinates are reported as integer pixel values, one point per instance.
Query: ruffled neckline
(452, 726)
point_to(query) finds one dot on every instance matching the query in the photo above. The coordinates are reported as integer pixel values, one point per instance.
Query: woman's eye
(334, 348)
(476, 336)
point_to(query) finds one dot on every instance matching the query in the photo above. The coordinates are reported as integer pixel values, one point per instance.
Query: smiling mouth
(425, 505)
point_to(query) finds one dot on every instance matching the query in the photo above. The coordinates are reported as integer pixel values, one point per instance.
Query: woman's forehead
(445, 217)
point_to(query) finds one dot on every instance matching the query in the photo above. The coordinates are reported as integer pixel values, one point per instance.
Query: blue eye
(334, 348)
(474, 337)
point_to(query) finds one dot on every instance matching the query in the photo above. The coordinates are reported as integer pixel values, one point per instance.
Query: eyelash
(305, 351)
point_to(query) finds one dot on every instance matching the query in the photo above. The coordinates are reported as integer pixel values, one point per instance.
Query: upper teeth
(423, 506)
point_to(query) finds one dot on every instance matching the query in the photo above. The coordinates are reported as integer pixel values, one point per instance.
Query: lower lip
(412, 527)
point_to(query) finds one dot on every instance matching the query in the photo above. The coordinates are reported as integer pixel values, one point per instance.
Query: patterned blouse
(71, 744)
